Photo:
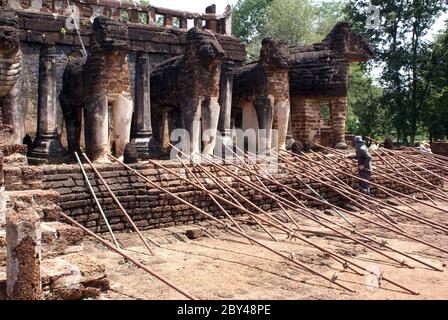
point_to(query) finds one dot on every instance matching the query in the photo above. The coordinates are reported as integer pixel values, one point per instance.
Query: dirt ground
(222, 265)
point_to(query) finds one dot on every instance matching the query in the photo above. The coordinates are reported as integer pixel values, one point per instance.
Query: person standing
(364, 164)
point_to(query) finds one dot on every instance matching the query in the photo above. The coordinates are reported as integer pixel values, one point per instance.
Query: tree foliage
(366, 114)
(293, 21)
(402, 52)
(435, 115)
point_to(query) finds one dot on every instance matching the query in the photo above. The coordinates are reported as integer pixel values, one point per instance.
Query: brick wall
(2, 198)
(440, 147)
(147, 206)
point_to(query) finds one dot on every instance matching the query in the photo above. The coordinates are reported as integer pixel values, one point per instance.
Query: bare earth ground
(221, 265)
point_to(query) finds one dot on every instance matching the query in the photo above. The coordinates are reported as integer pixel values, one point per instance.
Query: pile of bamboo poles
(333, 170)
(230, 197)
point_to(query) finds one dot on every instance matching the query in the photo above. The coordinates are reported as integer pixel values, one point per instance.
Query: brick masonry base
(440, 147)
(149, 207)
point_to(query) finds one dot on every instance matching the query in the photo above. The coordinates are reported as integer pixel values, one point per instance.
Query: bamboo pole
(127, 257)
(239, 205)
(118, 203)
(212, 197)
(418, 218)
(388, 207)
(354, 196)
(287, 213)
(250, 213)
(429, 155)
(418, 166)
(293, 207)
(96, 200)
(264, 186)
(407, 214)
(400, 262)
(383, 243)
(396, 210)
(319, 196)
(285, 229)
(388, 191)
(311, 270)
(340, 190)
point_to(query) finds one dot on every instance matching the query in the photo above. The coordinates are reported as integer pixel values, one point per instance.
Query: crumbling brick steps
(73, 277)
(63, 270)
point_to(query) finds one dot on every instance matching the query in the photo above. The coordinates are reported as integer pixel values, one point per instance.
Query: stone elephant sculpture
(187, 86)
(91, 84)
(261, 91)
(14, 85)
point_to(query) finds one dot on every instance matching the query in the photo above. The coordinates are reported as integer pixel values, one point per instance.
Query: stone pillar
(289, 136)
(338, 110)
(305, 119)
(225, 101)
(198, 23)
(211, 25)
(2, 194)
(96, 127)
(23, 238)
(165, 129)
(141, 121)
(168, 21)
(183, 23)
(47, 146)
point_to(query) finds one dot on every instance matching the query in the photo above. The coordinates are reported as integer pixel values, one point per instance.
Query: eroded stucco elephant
(261, 90)
(14, 83)
(187, 87)
(92, 84)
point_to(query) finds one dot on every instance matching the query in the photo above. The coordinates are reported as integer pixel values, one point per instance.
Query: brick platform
(149, 207)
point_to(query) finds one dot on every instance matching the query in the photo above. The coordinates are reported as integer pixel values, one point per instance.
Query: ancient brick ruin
(319, 73)
(115, 80)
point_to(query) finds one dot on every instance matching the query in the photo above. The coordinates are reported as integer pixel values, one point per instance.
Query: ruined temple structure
(118, 78)
(102, 66)
(187, 87)
(319, 74)
(261, 93)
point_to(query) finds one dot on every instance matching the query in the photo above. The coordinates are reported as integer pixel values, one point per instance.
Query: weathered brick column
(338, 108)
(211, 25)
(2, 194)
(23, 238)
(225, 101)
(141, 121)
(305, 119)
(47, 147)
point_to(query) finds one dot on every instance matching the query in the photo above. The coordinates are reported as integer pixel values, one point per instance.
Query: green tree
(294, 21)
(366, 116)
(248, 19)
(402, 53)
(291, 21)
(435, 113)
